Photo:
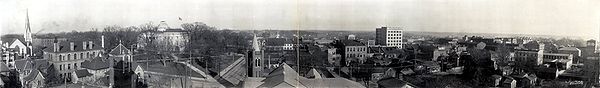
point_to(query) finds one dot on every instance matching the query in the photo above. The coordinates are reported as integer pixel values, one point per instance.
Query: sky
(540, 17)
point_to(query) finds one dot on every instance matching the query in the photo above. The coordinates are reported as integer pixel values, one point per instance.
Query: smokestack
(102, 41)
(55, 45)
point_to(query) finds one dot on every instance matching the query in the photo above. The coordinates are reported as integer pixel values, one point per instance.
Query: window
(61, 67)
(81, 55)
(69, 66)
(68, 56)
(75, 56)
(75, 67)
(60, 57)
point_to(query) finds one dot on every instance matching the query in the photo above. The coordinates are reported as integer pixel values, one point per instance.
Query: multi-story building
(68, 56)
(591, 71)
(351, 50)
(389, 36)
(165, 39)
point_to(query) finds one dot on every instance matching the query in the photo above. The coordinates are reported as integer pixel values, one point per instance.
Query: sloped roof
(120, 50)
(234, 73)
(313, 73)
(82, 73)
(393, 83)
(32, 75)
(3, 68)
(277, 42)
(170, 68)
(96, 64)
(283, 75)
(569, 49)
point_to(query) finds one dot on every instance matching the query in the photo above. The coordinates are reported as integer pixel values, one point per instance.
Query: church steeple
(27, 36)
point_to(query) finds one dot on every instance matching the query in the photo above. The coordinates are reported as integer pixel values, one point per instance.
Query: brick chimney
(72, 45)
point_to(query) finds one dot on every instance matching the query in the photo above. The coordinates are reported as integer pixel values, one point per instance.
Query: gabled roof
(82, 73)
(33, 75)
(96, 64)
(283, 75)
(120, 50)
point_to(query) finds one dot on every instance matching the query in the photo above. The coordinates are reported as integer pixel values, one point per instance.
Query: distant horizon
(513, 34)
(549, 17)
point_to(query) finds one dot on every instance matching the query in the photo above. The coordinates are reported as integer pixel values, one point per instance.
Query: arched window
(81, 55)
(60, 57)
(75, 56)
(69, 57)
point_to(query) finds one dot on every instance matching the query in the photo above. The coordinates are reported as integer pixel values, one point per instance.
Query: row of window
(394, 34)
(394, 40)
(394, 31)
(356, 49)
(354, 55)
(68, 66)
(395, 44)
(394, 37)
(74, 56)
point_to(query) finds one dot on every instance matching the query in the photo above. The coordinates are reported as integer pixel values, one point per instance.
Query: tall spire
(27, 36)
(255, 43)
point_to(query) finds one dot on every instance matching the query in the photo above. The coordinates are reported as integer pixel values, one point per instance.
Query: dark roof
(96, 63)
(393, 83)
(82, 73)
(351, 43)
(171, 68)
(65, 46)
(32, 75)
(120, 50)
(277, 42)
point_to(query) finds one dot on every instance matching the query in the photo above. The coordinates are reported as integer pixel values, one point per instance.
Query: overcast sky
(548, 17)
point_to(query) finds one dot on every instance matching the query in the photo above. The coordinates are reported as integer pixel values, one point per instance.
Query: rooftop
(65, 46)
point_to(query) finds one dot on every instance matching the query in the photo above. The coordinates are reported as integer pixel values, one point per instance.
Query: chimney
(85, 45)
(55, 44)
(72, 46)
(102, 40)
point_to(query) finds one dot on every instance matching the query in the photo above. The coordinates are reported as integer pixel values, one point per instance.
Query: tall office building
(389, 36)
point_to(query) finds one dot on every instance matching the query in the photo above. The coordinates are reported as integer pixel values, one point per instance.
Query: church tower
(255, 60)
(27, 36)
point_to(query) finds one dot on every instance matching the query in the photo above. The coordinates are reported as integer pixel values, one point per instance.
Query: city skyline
(579, 18)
